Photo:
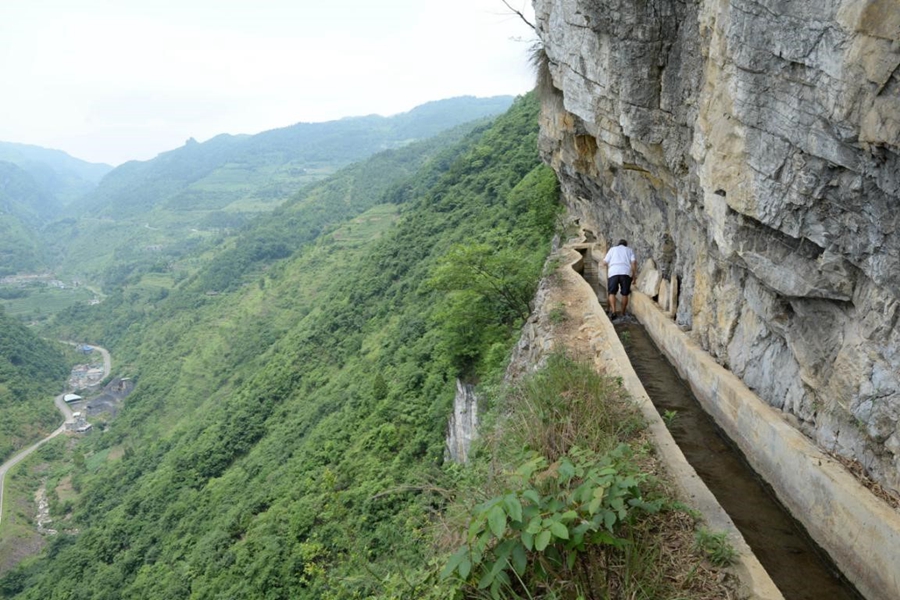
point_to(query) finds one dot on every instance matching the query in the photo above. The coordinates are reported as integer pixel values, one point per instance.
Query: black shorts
(617, 281)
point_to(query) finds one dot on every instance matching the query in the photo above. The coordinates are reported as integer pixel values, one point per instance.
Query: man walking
(621, 266)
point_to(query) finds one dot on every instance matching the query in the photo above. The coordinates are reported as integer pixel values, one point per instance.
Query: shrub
(550, 529)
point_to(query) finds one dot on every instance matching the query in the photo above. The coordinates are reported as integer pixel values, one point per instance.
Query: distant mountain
(63, 176)
(430, 118)
(154, 211)
(246, 173)
(24, 207)
(35, 186)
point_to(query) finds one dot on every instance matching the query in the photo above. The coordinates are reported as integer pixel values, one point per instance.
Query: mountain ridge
(339, 142)
(60, 173)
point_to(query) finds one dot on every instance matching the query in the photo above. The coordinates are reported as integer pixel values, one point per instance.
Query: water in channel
(800, 569)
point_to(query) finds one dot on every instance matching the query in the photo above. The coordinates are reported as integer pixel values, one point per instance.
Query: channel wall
(860, 531)
(610, 357)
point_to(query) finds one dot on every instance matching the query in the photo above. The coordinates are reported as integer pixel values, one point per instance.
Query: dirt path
(67, 418)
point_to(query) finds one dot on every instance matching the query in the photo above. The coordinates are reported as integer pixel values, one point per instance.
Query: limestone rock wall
(751, 149)
(462, 426)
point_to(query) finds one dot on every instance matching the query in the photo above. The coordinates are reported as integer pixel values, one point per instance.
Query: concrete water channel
(742, 465)
(799, 568)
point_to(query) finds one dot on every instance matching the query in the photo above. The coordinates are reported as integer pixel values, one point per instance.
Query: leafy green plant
(715, 547)
(669, 417)
(539, 534)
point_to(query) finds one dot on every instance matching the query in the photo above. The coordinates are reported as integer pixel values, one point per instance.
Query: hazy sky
(115, 80)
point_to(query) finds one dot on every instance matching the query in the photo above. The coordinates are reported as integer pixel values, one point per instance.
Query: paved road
(68, 418)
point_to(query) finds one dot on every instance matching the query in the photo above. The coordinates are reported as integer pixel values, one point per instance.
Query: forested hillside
(24, 207)
(137, 286)
(268, 166)
(286, 435)
(157, 211)
(63, 177)
(35, 185)
(32, 371)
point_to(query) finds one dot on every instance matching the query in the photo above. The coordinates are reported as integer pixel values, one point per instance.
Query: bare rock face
(751, 149)
(462, 428)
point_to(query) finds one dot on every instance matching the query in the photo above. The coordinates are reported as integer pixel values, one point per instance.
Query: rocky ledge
(749, 149)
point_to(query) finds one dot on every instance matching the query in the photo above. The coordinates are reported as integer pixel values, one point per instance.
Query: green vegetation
(60, 176)
(35, 184)
(285, 438)
(553, 529)
(18, 535)
(294, 375)
(39, 302)
(149, 215)
(170, 215)
(557, 314)
(669, 417)
(23, 205)
(558, 503)
(715, 547)
(489, 288)
(32, 371)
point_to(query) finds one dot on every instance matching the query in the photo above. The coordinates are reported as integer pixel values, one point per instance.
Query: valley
(368, 358)
(253, 354)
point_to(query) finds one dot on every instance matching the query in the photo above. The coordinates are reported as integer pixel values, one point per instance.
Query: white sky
(115, 80)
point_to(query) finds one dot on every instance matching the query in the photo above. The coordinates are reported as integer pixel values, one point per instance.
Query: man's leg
(612, 288)
(626, 292)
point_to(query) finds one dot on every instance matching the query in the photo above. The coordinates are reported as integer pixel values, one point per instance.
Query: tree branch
(521, 16)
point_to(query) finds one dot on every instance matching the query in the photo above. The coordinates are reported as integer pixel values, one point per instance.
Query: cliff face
(462, 427)
(751, 149)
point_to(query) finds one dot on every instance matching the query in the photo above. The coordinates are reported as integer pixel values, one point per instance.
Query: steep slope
(62, 176)
(24, 207)
(281, 435)
(750, 149)
(139, 273)
(35, 185)
(271, 165)
(32, 371)
(148, 212)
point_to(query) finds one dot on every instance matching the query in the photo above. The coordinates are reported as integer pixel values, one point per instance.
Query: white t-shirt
(619, 259)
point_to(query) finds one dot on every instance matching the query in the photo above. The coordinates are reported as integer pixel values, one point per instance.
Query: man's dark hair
(622, 243)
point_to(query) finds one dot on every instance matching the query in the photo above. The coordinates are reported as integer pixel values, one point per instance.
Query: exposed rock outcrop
(751, 148)
(462, 428)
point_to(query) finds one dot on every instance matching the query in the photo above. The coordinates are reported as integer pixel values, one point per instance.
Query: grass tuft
(558, 432)
(715, 547)
(569, 404)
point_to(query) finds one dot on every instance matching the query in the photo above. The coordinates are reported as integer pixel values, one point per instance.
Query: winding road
(68, 418)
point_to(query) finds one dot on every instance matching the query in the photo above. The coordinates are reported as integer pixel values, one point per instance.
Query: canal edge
(609, 356)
